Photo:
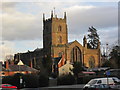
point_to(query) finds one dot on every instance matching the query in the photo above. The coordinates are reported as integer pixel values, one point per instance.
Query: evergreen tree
(77, 68)
(93, 38)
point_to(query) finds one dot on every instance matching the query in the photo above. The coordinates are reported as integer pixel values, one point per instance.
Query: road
(65, 87)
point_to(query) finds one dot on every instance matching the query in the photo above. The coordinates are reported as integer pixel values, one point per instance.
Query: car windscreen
(116, 80)
(7, 85)
(92, 82)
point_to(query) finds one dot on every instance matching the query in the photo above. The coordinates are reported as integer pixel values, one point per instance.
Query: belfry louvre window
(60, 39)
(59, 28)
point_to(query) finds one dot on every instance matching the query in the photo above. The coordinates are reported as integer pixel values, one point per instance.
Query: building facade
(55, 44)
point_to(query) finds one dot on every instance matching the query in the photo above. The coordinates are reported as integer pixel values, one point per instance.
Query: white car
(104, 82)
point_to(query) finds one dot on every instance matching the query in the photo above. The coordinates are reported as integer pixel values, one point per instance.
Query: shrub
(30, 81)
(16, 79)
(43, 80)
(7, 80)
(53, 75)
(66, 80)
(13, 80)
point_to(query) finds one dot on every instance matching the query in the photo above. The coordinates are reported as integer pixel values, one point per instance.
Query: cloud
(12, 47)
(18, 25)
(23, 46)
(101, 17)
(8, 7)
(109, 35)
(6, 48)
(21, 25)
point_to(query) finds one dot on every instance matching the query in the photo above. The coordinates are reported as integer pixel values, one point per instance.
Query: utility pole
(107, 51)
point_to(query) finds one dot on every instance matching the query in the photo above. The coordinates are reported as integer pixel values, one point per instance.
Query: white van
(103, 81)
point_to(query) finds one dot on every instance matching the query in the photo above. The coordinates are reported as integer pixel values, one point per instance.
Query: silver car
(110, 82)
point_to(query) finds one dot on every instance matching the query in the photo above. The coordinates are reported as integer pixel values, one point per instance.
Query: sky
(22, 26)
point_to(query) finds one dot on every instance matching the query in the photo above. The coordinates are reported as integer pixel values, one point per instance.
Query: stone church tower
(55, 34)
(55, 43)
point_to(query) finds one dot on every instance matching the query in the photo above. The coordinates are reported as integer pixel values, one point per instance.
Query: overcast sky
(22, 26)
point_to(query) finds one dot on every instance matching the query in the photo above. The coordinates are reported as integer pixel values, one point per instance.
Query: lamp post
(19, 61)
(21, 80)
(3, 51)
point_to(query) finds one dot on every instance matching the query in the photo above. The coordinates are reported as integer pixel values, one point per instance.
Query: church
(55, 44)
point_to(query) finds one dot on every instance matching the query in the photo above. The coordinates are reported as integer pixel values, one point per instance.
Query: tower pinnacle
(43, 17)
(84, 41)
(51, 13)
(64, 15)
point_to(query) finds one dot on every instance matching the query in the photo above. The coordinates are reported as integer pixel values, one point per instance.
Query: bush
(31, 81)
(43, 80)
(16, 79)
(66, 80)
(13, 80)
(53, 75)
(7, 80)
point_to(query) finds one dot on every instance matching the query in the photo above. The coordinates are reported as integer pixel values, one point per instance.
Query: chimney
(7, 64)
(12, 62)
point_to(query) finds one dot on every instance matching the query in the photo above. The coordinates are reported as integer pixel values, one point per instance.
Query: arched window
(60, 28)
(60, 54)
(76, 55)
(91, 62)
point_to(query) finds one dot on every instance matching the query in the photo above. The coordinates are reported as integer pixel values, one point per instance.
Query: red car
(8, 86)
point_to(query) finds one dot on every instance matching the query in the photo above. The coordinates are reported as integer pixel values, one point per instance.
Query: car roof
(103, 78)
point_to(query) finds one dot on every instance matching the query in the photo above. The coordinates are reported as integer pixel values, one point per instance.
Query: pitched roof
(3, 69)
(38, 49)
(71, 42)
(56, 60)
(21, 68)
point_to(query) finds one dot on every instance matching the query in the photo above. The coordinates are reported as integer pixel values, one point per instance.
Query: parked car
(97, 87)
(85, 73)
(8, 86)
(114, 72)
(110, 82)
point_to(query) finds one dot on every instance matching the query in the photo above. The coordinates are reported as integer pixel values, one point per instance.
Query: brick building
(9, 68)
